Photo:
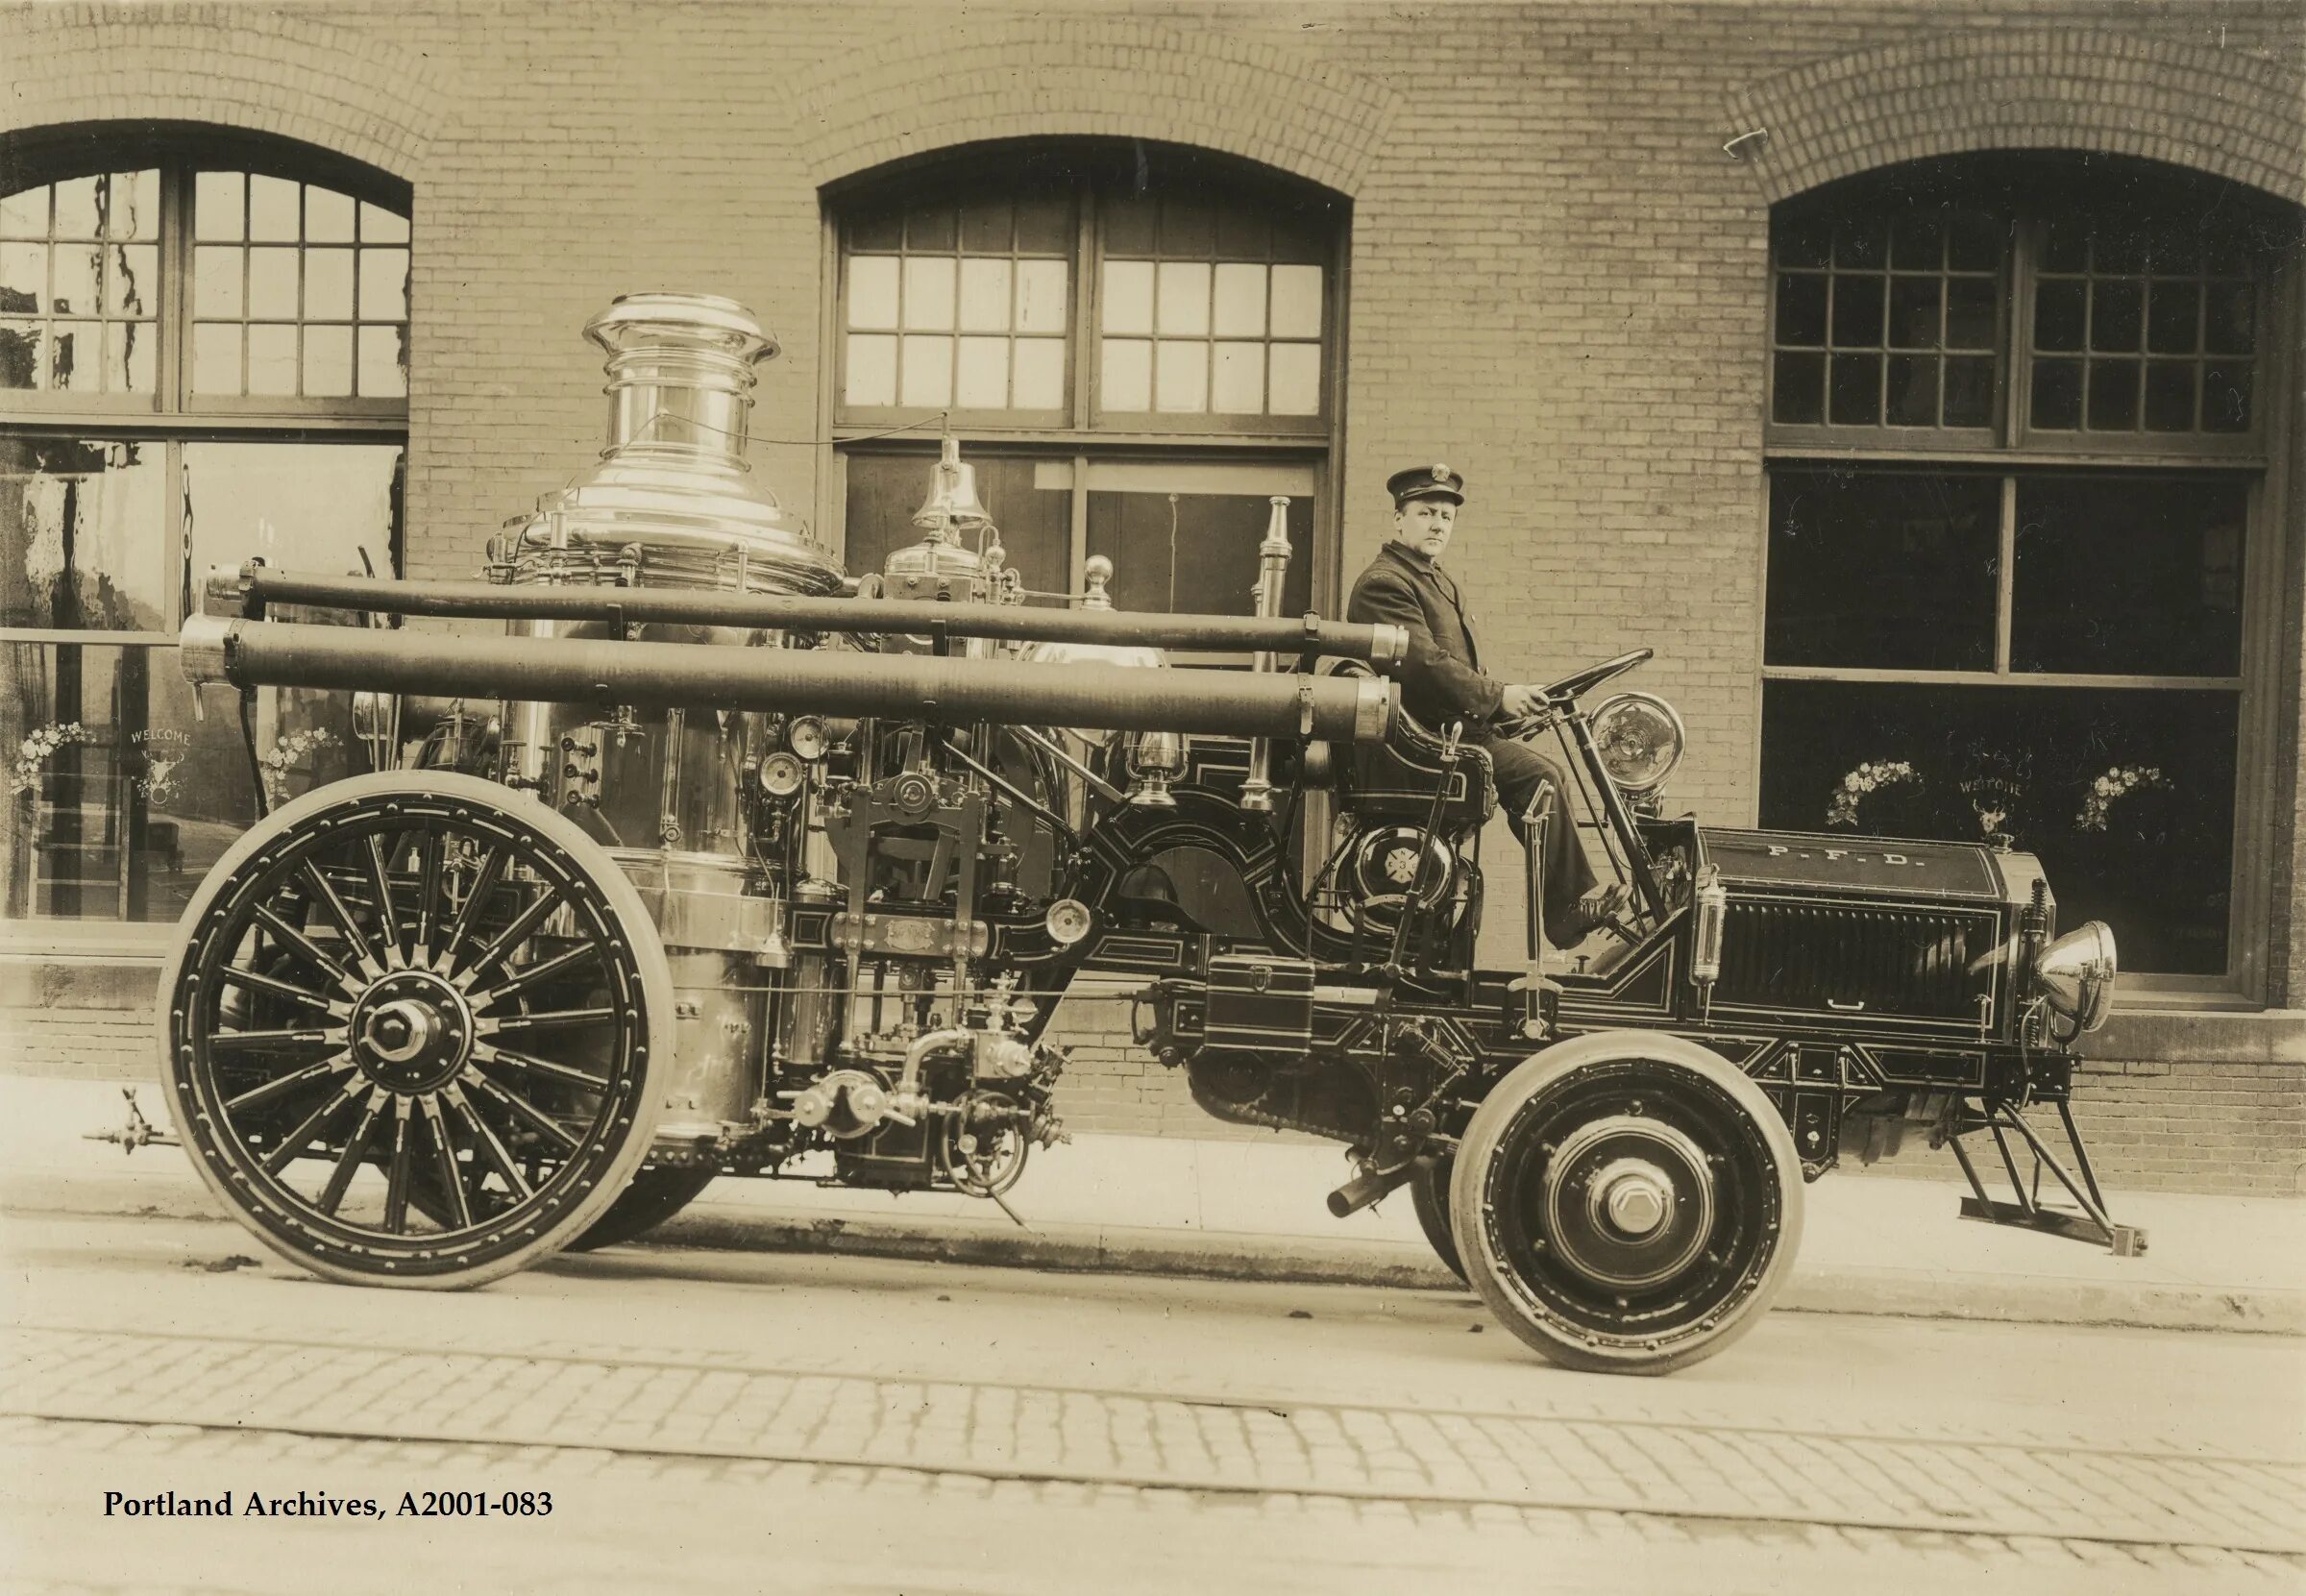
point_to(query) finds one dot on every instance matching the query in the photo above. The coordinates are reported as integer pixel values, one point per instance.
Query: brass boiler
(672, 503)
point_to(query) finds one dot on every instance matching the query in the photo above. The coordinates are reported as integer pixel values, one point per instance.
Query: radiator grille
(1900, 961)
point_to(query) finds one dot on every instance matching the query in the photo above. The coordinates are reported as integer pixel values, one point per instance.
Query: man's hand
(1520, 702)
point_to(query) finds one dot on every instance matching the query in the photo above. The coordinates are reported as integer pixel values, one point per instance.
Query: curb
(1228, 1254)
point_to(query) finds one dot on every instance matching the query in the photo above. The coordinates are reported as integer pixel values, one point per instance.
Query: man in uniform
(1441, 682)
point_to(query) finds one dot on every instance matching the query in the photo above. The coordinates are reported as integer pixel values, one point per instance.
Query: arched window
(204, 356)
(1136, 342)
(2022, 576)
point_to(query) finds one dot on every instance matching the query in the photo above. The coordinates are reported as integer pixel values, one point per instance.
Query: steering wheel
(1580, 682)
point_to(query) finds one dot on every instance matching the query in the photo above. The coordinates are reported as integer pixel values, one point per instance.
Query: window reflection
(81, 525)
(307, 507)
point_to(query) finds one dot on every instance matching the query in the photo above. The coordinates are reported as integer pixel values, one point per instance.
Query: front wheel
(1627, 1203)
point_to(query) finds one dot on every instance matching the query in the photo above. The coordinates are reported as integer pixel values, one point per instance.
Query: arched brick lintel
(274, 72)
(1115, 77)
(2223, 111)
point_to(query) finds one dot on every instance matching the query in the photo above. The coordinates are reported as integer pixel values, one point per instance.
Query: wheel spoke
(528, 975)
(514, 934)
(380, 879)
(292, 1145)
(451, 1173)
(566, 1074)
(283, 1086)
(485, 882)
(348, 1162)
(523, 1109)
(550, 1019)
(429, 853)
(304, 944)
(491, 1148)
(354, 937)
(395, 1181)
(256, 981)
(274, 1042)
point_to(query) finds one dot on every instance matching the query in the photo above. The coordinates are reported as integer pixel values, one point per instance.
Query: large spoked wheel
(1627, 1203)
(406, 1032)
(655, 1196)
(1429, 1196)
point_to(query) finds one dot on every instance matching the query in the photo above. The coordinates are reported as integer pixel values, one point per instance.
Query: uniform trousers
(1519, 770)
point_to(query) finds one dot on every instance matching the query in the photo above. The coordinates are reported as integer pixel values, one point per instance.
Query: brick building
(1921, 383)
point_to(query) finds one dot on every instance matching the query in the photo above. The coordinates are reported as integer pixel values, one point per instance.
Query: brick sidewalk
(1894, 1480)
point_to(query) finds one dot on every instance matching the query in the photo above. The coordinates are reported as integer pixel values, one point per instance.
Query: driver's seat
(1394, 780)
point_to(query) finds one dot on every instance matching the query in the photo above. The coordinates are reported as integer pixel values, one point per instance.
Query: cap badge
(1440, 473)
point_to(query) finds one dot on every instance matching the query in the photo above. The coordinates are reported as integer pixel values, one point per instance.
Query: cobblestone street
(845, 1424)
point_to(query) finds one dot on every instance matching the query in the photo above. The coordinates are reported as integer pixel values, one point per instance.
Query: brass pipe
(951, 690)
(248, 590)
(1272, 571)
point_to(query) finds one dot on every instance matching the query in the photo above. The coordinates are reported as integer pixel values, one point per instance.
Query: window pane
(1918, 242)
(76, 357)
(20, 362)
(1856, 390)
(384, 286)
(2114, 394)
(985, 296)
(1241, 311)
(2150, 852)
(1913, 390)
(1857, 312)
(927, 372)
(985, 224)
(131, 356)
(930, 229)
(884, 490)
(1181, 377)
(24, 214)
(135, 210)
(2057, 395)
(219, 202)
(216, 281)
(871, 377)
(1198, 552)
(878, 230)
(982, 383)
(1799, 389)
(215, 358)
(23, 277)
(2117, 314)
(2128, 575)
(2226, 396)
(82, 530)
(1294, 371)
(2231, 327)
(306, 506)
(1882, 570)
(272, 209)
(1971, 307)
(1238, 385)
(1969, 392)
(1127, 375)
(2058, 309)
(929, 292)
(131, 281)
(378, 226)
(76, 210)
(329, 285)
(1182, 299)
(1188, 228)
(1042, 296)
(328, 217)
(1128, 223)
(1039, 379)
(384, 363)
(272, 284)
(1127, 304)
(873, 290)
(1914, 312)
(271, 360)
(1044, 226)
(2170, 396)
(1296, 302)
(1800, 308)
(2174, 318)
(328, 361)
(1858, 241)
(76, 269)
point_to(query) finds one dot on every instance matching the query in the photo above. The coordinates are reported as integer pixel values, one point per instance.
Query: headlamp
(2074, 976)
(1640, 739)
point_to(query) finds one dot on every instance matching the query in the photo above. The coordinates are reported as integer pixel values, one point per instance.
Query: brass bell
(952, 503)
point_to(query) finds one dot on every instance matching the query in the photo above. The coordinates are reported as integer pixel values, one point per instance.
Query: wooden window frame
(2015, 450)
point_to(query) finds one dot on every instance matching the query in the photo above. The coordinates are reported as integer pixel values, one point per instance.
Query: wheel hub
(1627, 1201)
(411, 1032)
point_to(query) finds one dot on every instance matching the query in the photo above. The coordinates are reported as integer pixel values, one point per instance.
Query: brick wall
(1556, 284)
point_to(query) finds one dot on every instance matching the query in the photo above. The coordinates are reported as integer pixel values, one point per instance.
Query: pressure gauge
(781, 775)
(1068, 921)
(806, 737)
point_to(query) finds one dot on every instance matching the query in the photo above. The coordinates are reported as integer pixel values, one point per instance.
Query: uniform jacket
(1441, 680)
